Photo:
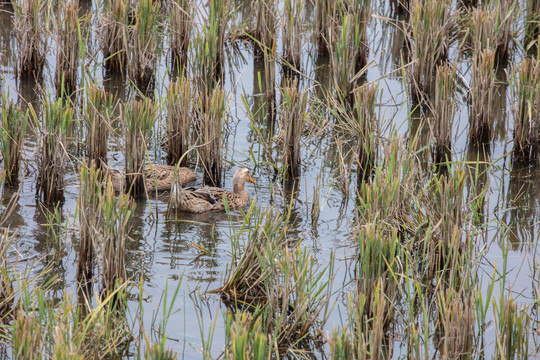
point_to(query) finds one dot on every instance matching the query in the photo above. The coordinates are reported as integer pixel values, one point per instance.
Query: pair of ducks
(194, 200)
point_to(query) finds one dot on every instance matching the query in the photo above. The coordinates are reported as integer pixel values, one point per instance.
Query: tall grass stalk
(293, 118)
(13, 124)
(179, 103)
(114, 35)
(211, 112)
(525, 91)
(292, 33)
(57, 118)
(30, 32)
(68, 30)
(90, 220)
(138, 120)
(144, 48)
(432, 34)
(97, 118)
(444, 110)
(482, 95)
(181, 25)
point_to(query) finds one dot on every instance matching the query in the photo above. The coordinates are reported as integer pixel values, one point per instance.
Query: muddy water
(164, 251)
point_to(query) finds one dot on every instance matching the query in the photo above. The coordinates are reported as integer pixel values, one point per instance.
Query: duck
(157, 177)
(209, 199)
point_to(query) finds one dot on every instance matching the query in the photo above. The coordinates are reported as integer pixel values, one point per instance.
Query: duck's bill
(252, 180)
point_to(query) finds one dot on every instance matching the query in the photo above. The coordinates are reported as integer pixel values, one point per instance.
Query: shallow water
(162, 250)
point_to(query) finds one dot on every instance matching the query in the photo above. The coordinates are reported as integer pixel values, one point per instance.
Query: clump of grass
(350, 49)
(265, 25)
(456, 313)
(292, 34)
(245, 337)
(90, 222)
(444, 110)
(179, 119)
(431, 35)
(491, 27)
(99, 107)
(13, 124)
(67, 52)
(7, 292)
(525, 80)
(31, 37)
(293, 117)
(482, 96)
(532, 25)
(138, 119)
(209, 48)
(27, 342)
(57, 118)
(181, 25)
(211, 111)
(144, 49)
(114, 35)
(116, 215)
(325, 11)
(366, 124)
(512, 329)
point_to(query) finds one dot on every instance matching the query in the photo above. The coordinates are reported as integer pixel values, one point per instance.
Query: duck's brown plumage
(157, 177)
(206, 199)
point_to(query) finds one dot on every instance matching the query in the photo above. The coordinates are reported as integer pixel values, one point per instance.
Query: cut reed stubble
(444, 109)
(67, 26)
(481, 109)
(181, 24)
(179, 119)
(113, 35)
(99, 107)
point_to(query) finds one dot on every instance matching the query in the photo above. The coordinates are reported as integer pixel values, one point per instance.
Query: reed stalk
(482, 97)
(525, 82)
(57, 118)
(13, 124)
(432, 34)
(211, 111)
(179, 119)
(293, 117)
(265, 25)
(138, 120)
(98, 110)
(30, 33)
(68, 30)
(292, 34)
(113, 36)
(90, 220)
(144, 47)
(444, 110)
(181, 25)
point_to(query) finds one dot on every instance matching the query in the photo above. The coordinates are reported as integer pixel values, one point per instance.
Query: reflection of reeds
(144, 49)
(181, 25)
(432, 34)
(179, 118)
(139, 117)
(293, 115)
(98, 109)
(265, 25)
(89, 220)
(67, 51)
(482, 92)
(114, 34)
(525, 80)
(292, 33)
(31, 37)
(444, 110)
(13, 123)
(211, 111)
(57, 118)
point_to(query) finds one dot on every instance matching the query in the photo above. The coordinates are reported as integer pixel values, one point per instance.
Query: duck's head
(241, 176)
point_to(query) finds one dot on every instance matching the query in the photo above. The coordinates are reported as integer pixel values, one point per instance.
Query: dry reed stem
(211, 111)
(30, 34)
(113, 35)
(97, 114)
(526, 110)
(293, 116)
(67, 27)
(482, 96)
(179, 119)
(181, 26)
(444, 110)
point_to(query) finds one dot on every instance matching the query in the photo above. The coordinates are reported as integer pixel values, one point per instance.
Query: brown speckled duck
(206, 199)
(157, 177)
